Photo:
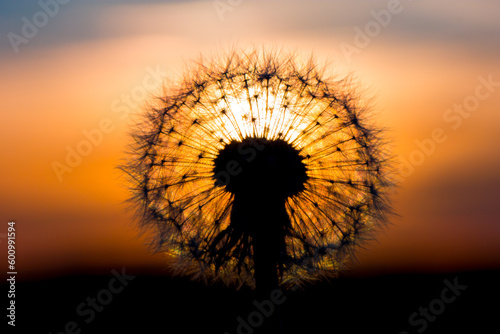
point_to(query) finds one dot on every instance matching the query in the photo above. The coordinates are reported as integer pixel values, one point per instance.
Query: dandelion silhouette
(258, 171)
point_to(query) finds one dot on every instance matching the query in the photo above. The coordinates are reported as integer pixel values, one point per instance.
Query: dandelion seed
(257, 165)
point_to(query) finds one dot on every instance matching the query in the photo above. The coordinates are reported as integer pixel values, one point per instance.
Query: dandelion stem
(266, 279)
(268, 243)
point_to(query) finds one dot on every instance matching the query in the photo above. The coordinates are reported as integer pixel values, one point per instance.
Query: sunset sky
(94, 65)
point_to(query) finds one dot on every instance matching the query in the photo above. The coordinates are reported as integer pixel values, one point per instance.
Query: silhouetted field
(154, 304)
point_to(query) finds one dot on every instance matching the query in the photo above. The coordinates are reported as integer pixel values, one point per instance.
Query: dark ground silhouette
(154, 304)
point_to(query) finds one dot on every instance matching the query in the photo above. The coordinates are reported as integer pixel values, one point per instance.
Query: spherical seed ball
(243, 134)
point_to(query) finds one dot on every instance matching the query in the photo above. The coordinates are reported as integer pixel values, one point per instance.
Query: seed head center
(260, 167)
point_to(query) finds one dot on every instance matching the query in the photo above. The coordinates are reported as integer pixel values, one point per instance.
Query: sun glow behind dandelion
(256, 112)
(289, 110)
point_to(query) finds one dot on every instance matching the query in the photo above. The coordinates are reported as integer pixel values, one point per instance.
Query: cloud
(447, 21)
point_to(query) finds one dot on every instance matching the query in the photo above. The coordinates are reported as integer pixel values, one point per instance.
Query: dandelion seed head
(243, 131)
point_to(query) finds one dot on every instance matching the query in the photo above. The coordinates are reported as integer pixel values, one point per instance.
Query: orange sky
(66, 80)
